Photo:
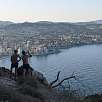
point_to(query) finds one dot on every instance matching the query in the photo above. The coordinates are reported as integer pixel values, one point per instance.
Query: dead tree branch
(55, 79)
(53, 82)
(63, 81)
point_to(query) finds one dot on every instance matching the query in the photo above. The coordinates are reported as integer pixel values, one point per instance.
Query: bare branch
(63, 81)
(55, 79)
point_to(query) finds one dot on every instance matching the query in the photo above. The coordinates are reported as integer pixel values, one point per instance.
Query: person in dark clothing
(26, 66)
(15, 58)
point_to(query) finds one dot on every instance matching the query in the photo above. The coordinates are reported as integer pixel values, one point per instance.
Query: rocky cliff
(35, 89)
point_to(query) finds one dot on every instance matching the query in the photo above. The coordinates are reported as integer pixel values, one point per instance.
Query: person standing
(15, 58)
(26, 66)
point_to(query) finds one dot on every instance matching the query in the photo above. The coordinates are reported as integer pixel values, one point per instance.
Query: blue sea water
(84, 61)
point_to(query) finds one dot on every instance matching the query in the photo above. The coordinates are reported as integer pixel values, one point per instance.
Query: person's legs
(24, 70)
(12, 66)
(24, 73)
(16, 67)
(27, 70)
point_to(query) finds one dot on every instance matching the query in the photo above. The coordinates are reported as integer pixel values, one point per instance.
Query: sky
(50, 10)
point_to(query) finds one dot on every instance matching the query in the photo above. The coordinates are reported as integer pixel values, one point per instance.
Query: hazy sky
(50, 10)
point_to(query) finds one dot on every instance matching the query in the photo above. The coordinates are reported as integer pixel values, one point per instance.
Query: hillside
(35, 90)
(32, 89)
(50, 28)
(5, 23)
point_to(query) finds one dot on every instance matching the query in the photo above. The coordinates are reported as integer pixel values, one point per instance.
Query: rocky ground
(35, 90)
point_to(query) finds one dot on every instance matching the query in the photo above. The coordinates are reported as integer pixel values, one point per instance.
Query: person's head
(15, 51)
(23, 52)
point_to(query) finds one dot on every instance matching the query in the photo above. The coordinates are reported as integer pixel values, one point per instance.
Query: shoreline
(71, 46)
(56, 51)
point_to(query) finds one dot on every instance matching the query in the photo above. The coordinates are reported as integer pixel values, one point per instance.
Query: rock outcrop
(30, 89)
(33, 89)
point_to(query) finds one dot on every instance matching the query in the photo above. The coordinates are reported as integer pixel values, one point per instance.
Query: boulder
(39, 76)
(4, 72)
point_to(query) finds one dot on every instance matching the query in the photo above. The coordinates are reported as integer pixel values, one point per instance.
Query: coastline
(68, 47)
(56, 51)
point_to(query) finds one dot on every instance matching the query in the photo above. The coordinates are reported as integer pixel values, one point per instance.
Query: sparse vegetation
(33, 90)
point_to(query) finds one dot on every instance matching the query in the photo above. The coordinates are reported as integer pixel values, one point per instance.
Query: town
(48, 44)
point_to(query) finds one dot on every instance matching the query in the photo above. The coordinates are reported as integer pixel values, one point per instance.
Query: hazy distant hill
(97, 22)
(91, 22)
(52, 28)
(5, 23)
(93, 25)
(44, 28)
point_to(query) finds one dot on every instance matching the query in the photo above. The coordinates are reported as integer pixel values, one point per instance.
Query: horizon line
(53, 21)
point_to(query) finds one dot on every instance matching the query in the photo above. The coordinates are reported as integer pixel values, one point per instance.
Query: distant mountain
(97, 22)
(44, 28)
(88, 23)
(49, 28)
(96, 26)
(47, 22)
(5, 23)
